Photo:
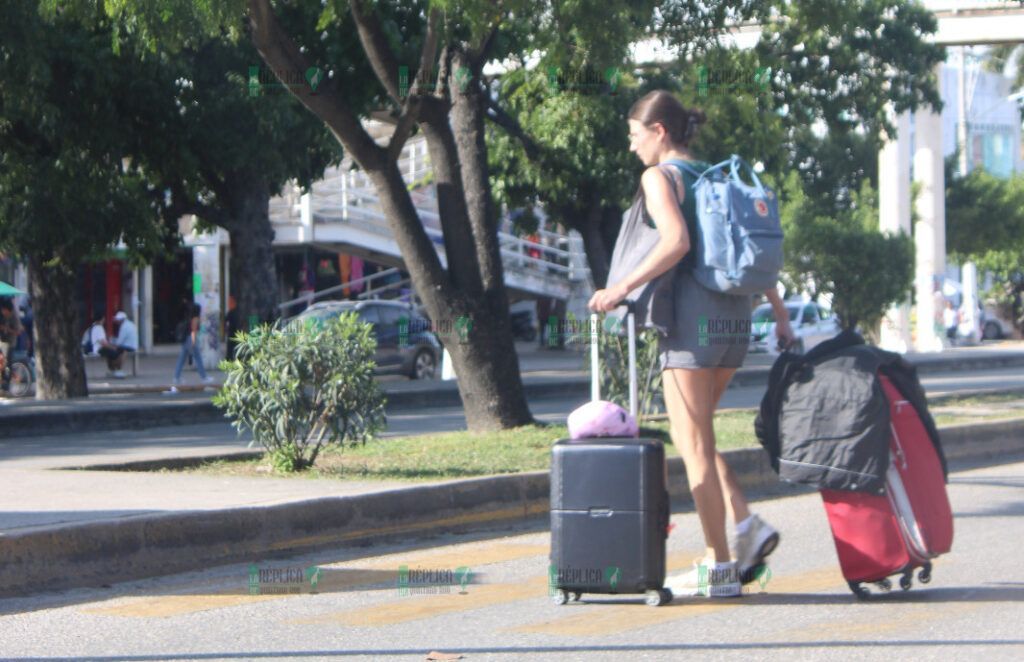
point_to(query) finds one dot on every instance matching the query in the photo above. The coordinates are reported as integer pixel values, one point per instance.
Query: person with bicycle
(10, 329)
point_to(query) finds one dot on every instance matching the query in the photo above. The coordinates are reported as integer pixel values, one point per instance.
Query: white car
(812, 324)
(995, 327)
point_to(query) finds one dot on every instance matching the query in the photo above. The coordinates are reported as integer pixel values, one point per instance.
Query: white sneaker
(171, 391)
(755, 540)
(119, 374)
(207, 379)
(707, 579)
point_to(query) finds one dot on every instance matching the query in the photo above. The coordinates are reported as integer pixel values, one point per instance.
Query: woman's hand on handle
(784, 332)
(607, 299)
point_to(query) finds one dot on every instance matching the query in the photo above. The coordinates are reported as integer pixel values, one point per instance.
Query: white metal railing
(346, 195)
(310, 297)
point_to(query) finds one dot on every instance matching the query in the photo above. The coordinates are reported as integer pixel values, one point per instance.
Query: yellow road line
(175, 605)
(415, 607)
(369, 572)
(596, 620)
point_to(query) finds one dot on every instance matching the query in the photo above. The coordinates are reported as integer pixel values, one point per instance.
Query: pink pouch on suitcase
(600, 418)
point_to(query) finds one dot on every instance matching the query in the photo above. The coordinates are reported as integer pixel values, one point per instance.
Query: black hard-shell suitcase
(609, 508)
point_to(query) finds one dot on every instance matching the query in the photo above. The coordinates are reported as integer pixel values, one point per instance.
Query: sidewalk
(156, 369)
(142, 402)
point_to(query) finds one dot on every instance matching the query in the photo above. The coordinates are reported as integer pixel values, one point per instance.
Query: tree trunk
(489, 381)
(253, 271)
(472, 328)
(493, 353)
(598, 254)
(60, 369)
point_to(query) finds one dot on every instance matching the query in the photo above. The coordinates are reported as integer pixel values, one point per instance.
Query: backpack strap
(675, 181)
(683, 165)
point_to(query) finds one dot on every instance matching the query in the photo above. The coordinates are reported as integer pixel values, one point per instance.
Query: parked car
(994, 327)
(812, 324)
(413, 351)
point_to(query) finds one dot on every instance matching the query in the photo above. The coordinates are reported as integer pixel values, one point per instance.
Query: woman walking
(697, 358)
(189, 327)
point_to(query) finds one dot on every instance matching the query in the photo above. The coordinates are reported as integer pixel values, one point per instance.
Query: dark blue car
(405, 348)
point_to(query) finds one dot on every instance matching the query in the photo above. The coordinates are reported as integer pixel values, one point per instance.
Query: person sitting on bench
(127, 340)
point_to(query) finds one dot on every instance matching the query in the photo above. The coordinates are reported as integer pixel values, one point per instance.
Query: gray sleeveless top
(637, 238)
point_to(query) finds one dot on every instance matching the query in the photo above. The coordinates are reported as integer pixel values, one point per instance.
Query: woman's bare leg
(735, 503)
(690, 400)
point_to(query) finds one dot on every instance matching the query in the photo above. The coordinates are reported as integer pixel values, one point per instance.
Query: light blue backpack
(739, 243)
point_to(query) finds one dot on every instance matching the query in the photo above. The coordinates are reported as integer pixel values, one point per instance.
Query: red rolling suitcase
(878, 536)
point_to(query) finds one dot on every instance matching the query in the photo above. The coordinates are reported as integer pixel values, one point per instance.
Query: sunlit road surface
(363, 609)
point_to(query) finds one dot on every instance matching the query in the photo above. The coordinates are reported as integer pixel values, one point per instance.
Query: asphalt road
(972, 609)
(214, 438)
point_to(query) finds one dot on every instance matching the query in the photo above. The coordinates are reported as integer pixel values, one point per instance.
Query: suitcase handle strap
(595, 370)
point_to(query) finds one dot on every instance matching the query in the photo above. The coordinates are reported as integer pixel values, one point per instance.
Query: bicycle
(19, 375)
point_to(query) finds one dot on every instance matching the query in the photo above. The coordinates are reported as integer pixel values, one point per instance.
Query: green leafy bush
(303, 386)
(844, 254)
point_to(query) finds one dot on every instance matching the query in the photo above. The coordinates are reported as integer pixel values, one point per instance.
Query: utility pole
(961, 125)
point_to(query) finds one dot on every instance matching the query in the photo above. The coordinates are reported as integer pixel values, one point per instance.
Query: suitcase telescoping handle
(595, 371)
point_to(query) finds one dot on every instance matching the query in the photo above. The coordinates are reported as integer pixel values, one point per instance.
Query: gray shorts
(711, 330)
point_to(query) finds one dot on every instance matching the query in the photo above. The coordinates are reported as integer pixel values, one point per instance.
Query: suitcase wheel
(925, 575)
(656, 598)
(907, 581)
(559, 597)
(858, 590)
(574, 596)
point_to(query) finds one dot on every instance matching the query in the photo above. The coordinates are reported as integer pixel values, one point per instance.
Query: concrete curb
(53, 421)
(45, 421)
(99, 553)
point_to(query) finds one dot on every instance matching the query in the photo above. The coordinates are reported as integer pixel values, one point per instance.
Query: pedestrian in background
(10, 329)
(95, 336)
(190, 347)
(950, 320)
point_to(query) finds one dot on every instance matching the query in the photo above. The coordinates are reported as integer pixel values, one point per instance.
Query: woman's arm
(783, 329)
(663, 208)
(194, 326)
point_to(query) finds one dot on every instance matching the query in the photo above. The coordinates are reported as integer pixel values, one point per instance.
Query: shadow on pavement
(419, 653)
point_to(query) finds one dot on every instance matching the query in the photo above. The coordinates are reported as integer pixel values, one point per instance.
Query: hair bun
(661, 107)
(694, 118)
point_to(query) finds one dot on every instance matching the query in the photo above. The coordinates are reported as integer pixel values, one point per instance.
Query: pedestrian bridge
(342, 212)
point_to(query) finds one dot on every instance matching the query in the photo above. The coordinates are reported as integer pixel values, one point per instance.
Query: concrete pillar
(970, 325)
(894, 217)
(146, 326)
(930, 230)
(206, 292)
